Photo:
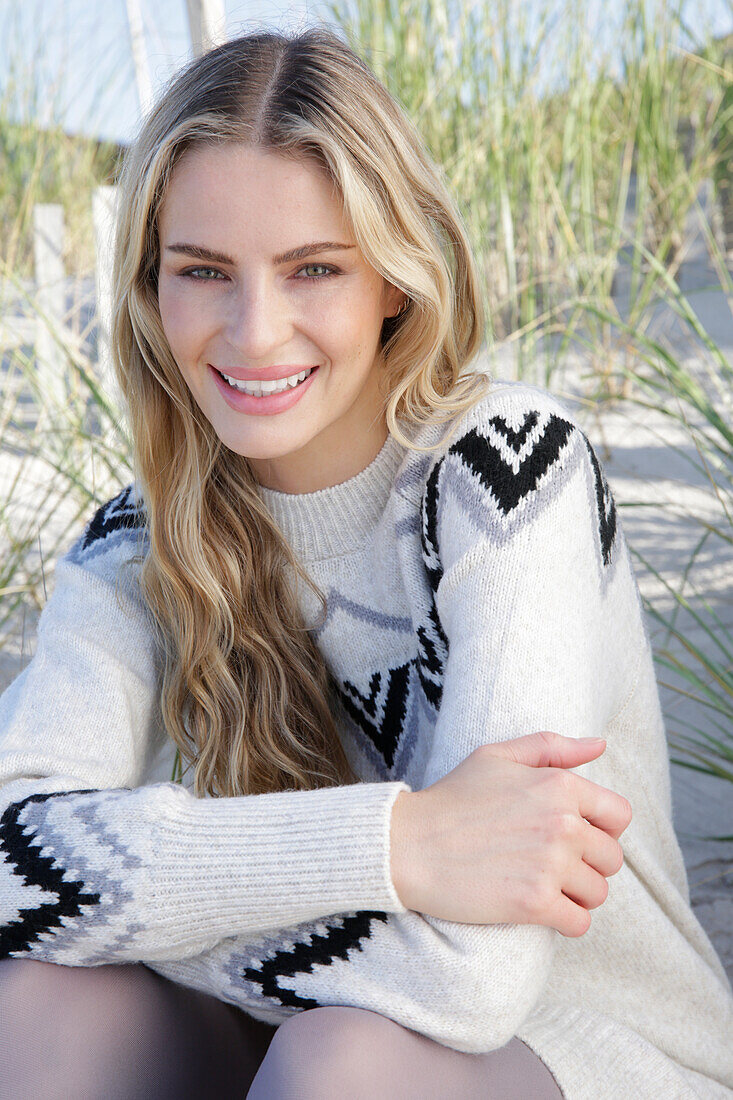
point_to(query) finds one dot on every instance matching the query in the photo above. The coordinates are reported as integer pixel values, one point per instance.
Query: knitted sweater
(474, 594)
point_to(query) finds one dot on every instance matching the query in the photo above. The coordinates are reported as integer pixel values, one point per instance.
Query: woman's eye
(192, 273)
(325, 268)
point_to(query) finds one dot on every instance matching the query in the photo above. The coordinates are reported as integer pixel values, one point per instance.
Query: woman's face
(232, 300)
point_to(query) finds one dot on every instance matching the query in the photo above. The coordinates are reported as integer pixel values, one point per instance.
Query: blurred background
(590, 149)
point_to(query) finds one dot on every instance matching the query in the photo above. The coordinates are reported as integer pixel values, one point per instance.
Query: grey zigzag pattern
(27, 829)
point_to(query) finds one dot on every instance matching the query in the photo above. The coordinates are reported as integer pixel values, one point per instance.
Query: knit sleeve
(95, 866)
(536, 599)
(536, 626)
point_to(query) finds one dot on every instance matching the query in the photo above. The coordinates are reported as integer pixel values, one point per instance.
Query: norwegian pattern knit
(474, 593)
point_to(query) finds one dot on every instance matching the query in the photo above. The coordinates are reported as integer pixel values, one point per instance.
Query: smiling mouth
(259, 388)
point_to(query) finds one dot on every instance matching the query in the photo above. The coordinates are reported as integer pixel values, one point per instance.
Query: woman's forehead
(212, 159)
(227, 201)
(239, 179)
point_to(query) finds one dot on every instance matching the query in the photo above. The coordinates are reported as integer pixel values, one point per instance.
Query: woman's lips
(265, 405)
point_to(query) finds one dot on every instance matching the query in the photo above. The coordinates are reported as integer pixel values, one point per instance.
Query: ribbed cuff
(226, 866)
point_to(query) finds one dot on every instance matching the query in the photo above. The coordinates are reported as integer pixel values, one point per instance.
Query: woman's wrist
(403, 845)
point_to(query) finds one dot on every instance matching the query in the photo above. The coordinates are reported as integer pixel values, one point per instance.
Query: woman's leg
(331, 1052)
(121, 1032)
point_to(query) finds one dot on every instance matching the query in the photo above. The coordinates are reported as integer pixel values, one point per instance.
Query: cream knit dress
(474, 594)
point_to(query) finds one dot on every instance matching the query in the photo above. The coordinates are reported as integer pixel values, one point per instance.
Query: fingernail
(592, 739)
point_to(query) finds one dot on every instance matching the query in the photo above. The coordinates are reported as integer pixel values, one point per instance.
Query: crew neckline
(333, 521)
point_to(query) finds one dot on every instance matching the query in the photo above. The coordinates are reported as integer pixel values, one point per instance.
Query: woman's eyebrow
(298, 253)
(308, 250)
(200, 253)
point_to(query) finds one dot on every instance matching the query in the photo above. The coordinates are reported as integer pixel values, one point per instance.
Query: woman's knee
(320, 1053)
(332, 1032)
(337, 1051)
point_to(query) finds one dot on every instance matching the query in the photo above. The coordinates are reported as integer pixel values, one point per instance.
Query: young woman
(375, 600)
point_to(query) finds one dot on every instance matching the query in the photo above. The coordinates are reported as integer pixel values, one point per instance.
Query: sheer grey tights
(126, 1033)
(120, 1032)
(336, 1053)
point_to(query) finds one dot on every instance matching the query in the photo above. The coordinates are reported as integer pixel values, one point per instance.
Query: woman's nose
(256, 319)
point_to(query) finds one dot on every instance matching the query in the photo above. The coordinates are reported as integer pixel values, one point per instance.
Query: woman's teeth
(260, 389)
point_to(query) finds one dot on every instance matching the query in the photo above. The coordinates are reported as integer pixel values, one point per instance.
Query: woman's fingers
(580, 874)
(601, 851)
(605, 809)
(584, 889)
(585, 886)
(569, 918)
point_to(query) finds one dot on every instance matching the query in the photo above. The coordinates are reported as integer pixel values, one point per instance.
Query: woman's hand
(510, 837)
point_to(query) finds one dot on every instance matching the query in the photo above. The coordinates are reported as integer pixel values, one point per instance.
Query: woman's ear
(396, 302)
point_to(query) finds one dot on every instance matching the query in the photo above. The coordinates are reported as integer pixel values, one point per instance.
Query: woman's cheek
(187, 332)
(178, 317)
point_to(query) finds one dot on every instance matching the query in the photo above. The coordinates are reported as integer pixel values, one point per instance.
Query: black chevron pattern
(340, 938)
(432, 637)
(487, 463)
(606, 507)
(509, 479)
(381, 714)
(36, 870)
(119, 512)
(432, 655)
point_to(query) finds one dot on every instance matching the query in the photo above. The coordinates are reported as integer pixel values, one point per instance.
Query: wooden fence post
(139, 56)
(104, 213)
(48, 249)
(207, 23)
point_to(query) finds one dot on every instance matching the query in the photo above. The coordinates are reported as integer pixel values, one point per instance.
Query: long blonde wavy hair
(246, 694)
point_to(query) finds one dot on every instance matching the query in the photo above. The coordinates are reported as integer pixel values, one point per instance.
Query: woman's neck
(339, 518)
(323, 462)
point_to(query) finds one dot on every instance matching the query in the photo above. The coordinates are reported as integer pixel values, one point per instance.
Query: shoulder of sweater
(508, 407)
(112, 542)
(515, 470)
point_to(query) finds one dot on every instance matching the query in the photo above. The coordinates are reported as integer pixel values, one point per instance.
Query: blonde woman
(376, 601)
